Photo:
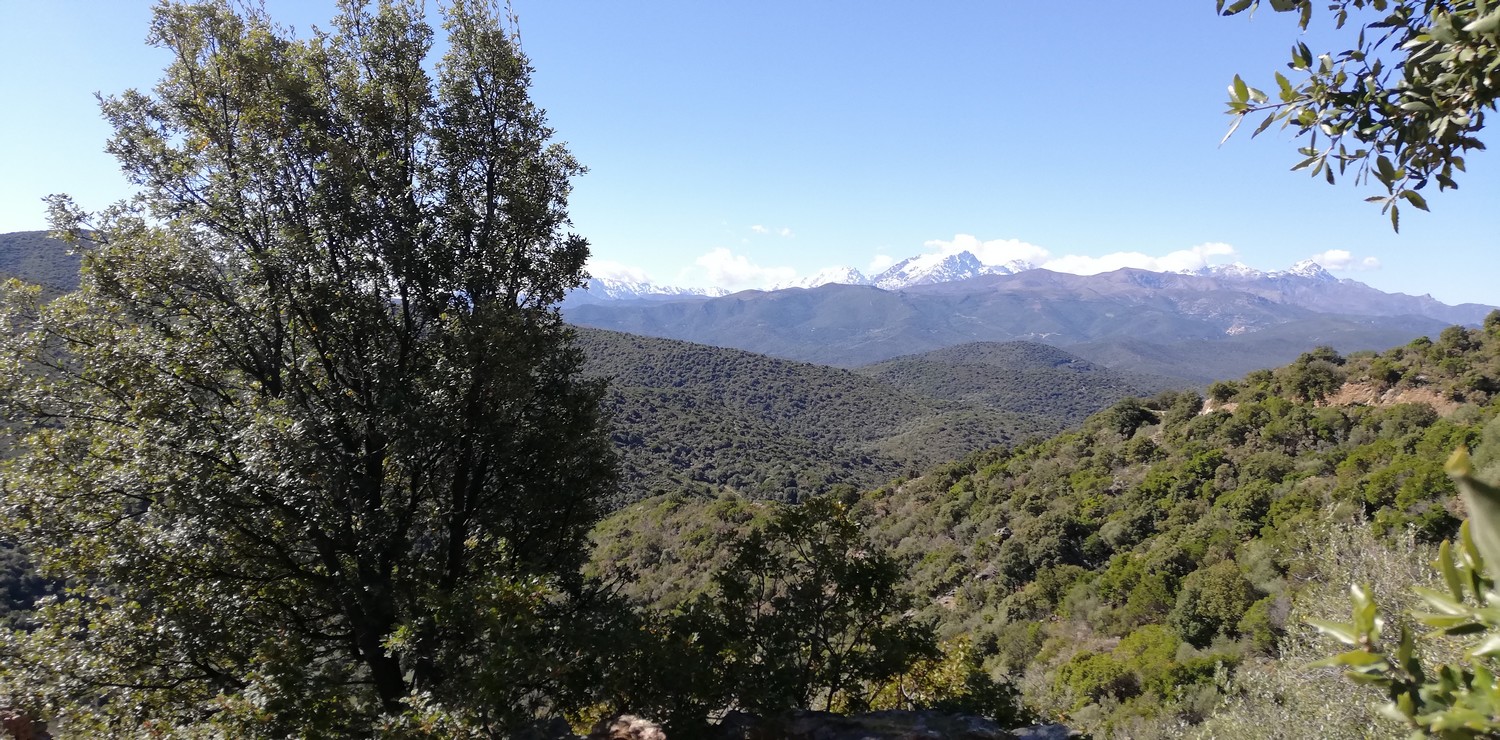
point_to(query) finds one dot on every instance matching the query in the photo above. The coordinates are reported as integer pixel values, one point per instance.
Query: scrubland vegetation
(1150, 571)
(310, 452)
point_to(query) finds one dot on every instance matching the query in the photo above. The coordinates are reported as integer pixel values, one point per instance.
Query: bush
(1211, 603)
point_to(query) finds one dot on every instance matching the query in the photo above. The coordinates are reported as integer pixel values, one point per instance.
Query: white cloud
(1342, 260)
(729, 270)
(1192, 258)
(611, 270)
(783, 232)
(992, 252)
(880, 263)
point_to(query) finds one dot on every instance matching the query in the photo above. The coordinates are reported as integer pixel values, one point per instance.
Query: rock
(627, 727)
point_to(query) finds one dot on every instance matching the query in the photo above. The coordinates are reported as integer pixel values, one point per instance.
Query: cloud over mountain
(1342, 260)
(1182, 260)
(726, 269)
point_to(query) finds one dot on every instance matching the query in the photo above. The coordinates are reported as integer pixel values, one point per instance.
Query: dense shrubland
(1138, 573)
(693, 418)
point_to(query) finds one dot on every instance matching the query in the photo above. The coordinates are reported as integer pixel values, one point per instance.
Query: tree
(1403, 103)
(309, 442)
(807, 615)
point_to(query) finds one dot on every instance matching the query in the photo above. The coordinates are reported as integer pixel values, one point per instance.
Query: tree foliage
(808, 614)
(1401, 104)
(309, 440)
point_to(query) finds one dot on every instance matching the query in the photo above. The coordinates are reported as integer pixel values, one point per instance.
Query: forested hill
(693, 417)
(1141, 574)
(1027, 377)
(37, 258)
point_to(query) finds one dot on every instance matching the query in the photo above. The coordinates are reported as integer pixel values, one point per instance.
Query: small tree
(310, 440)
(808, 615)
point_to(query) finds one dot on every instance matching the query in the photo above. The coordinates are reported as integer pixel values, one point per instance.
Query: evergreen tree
(309, 441)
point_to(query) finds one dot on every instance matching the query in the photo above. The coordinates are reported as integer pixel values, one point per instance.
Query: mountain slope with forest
(1142, 574)
(1028, 377)
(35, 257)
(693, 417)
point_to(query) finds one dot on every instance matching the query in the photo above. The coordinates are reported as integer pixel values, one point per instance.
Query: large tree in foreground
(1402, 103)
(309, 442)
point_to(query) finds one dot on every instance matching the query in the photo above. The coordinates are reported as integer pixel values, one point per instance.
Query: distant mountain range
(1220, 322)
(1306, 284)
(612, 289)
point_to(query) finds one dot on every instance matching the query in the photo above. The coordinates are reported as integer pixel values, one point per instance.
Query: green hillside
(708, 419)
(37, 258)
(1027, 377)
(1141, 576)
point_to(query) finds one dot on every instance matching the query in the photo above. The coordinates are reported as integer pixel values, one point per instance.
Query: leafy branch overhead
(1401, 105)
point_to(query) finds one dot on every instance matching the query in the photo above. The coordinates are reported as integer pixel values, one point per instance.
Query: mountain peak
(835, 275)
(1309, 269)
(927, 269)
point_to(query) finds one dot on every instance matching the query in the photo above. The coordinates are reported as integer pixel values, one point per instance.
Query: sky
(744, 145)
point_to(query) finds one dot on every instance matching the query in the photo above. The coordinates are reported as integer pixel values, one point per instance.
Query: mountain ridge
(1203, 316)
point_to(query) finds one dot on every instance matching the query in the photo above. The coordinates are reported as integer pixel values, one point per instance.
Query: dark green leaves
(310, 439)
(1403, 130)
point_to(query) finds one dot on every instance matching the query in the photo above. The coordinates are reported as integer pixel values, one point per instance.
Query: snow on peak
(617, 289)
(1309, 269)
(835, 275)
(930, 268)
(1232, 271)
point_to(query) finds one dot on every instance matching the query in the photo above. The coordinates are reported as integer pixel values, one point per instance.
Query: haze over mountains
(1216, 322)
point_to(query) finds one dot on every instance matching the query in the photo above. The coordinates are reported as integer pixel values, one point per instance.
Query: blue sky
(744, 144)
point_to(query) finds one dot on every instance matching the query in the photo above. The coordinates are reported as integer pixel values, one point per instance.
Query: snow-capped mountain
(1305, 284)
(1306, 269)
(927, 269)
(613, 289)
(834, 275)
(1231, 271)
(1239, 271)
